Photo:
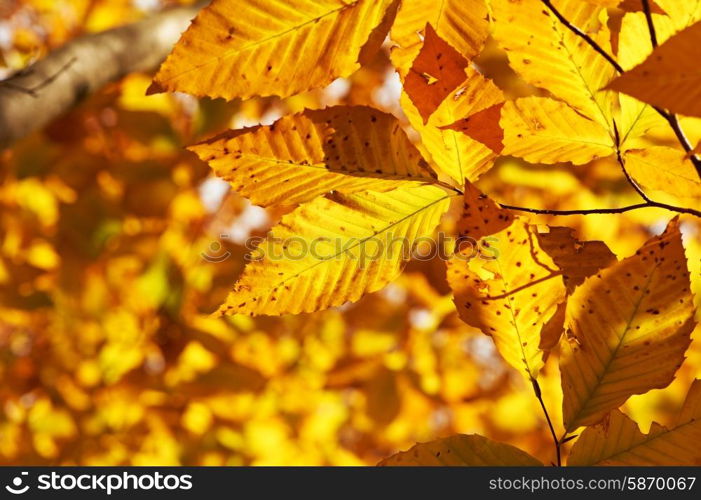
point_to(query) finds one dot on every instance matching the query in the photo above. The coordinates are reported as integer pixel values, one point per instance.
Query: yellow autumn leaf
(635, 118)
(509, 294)
(453, 152)
(237, 48)
(577, 260)
(437, 71)
(543, 130)
(669, 77)
(483, 127)
(461, 23)
(548, 55)
(605, 3)
(627, 330)
(343, 148)
(682, 14)
(666, 175)
(634, 44)
(481, 216)
(333, 250)
(461, 450)
(627, 5)
(636, 6)
(618, 441)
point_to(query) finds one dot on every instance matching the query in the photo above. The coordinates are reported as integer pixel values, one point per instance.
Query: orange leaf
(461, 450)
(481, 216)
(436, 72)
(637, 6)
(483, 127)
(628, 328)
(577, 259)
(669, 77)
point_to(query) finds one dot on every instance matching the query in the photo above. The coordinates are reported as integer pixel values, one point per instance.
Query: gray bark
(53, 85)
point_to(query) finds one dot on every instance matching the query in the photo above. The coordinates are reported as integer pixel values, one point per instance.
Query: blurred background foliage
(116, 244)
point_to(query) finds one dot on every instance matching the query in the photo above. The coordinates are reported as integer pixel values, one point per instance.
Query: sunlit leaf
(627, 330)
(269, 48)
(334, 250)
(677, 182)
(618, 441)
(461, 23)
(550, 56)
(668, 77)
(299, 157)
(454, 153)
(543, 130)
(509, 294)
(462, 450)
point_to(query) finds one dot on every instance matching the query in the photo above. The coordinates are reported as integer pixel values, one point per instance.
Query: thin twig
(618, 210)
(650, 24)
(681, 137)
(574, 29)
(619, 158)
(669, 117)
(34, 91)
(648, 203)
(547, 211)
(539, 395)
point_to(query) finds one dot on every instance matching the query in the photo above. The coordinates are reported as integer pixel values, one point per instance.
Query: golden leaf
(435, 73)
(346, 149)
(461, 450)
(577, 260)
(635, 117)
(618, 441)
(543, 130)
(548, 55)
(676, 182)
(669, 77)
(605, 3)
(510, 294)
(483, 127)
(461, 23)
(682, 14)
(628, 328)
(245, 48)
(334, 250)
(456, 154)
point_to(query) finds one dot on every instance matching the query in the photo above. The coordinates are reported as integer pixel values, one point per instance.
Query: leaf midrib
(361, 241)
(621, 340)
(237, 50)
(518, 331)
(581, 77)
(649, 439)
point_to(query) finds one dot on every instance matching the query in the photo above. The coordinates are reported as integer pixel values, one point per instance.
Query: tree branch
(547, 211)
(35, 96)
(574, 29)
(618, 210)
(669, 117)
(556, 441)
(650, 24)
(619, 158)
